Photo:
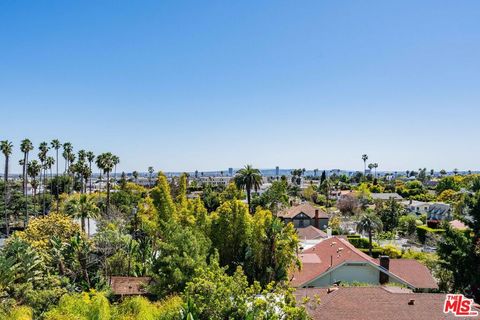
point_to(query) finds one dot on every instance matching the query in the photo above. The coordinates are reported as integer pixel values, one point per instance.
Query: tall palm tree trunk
(43, 194)
(7, 225)
(25, 185)
(34, 200)
(51, 182)
(82, 221)
(91, 176)
(248, 199)
(56, 181)
(108, 191)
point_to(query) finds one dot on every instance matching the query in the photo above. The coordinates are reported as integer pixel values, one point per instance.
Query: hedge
(353, 236)
(423, 230)
(361, 243)
(376, 252)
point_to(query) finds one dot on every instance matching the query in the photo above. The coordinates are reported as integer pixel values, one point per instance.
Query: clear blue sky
(185, 85)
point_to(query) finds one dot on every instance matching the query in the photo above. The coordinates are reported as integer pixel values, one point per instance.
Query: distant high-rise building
(230, 172)
(277, 171)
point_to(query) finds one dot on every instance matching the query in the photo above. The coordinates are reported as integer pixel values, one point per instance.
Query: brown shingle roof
(334, 251)
(310, 233)
(306, 208)
(367, 303)
(413, 272)
(129, 285)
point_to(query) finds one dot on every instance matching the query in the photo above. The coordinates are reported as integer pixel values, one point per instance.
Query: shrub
(142, 308)
(376, 252)
(386, 235)
(354, 236)
(17, 313)
(86, 305)
(422, 232)
(392, 251)
(361, 243)
(407, 224)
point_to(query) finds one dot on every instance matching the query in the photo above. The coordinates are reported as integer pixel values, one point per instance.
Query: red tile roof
(334, 251)
(367, 303)
(310, 233)
(306, 208)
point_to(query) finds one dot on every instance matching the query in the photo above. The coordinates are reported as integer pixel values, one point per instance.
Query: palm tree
(371, 166)
(82, 155)
(293, 190)
(87, 174)
(375, 166)
(42, 156)
(71, 160)
(369, 222)
(83, 170)
(33, 170)
(56, 145)
(248, 178)
(135, 176)
(67, 150)
(105, 162)
(90, 158)
(49, 164)
(116, 161)
(150, 173)
(7, 148)
(25, 146)
(364, 158)
(82, 207)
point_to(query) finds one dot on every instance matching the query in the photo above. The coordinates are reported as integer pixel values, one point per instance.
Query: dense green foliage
(459, 251)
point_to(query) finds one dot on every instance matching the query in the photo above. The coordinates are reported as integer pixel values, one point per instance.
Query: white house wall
(348, 274)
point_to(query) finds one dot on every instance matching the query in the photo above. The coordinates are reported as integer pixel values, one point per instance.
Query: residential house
(310, 233)
(304, 215)
(387, 196)
(365, 303)
(417, 207)
(335, 260)
(340, 194)
(217, 181)
(439, 211)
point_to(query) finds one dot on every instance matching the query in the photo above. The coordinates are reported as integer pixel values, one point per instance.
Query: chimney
(385, 263)
(317, 225)
(411, 302)
(332, 289)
